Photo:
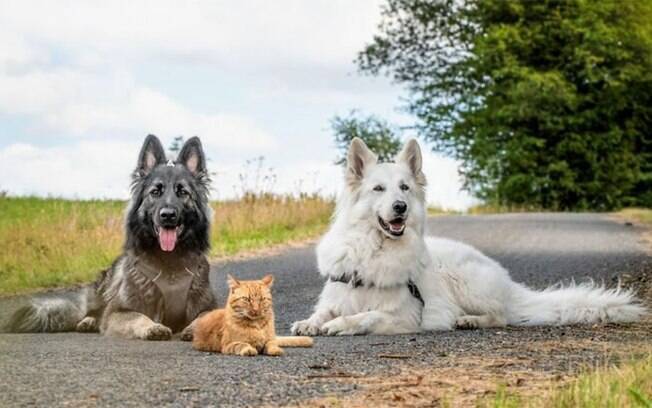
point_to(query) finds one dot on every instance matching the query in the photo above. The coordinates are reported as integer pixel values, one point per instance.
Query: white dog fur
(460, 286)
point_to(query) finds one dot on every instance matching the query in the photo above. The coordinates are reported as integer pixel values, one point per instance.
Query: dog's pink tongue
(167, 238)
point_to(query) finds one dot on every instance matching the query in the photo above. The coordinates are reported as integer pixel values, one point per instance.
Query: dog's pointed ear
(411, 156)
(359, 159)
(151, 155)
(268, 280)
(192, 156)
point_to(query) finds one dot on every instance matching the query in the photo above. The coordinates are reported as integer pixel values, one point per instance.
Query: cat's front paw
(340, 326)
(247, 351)
(305, 328)
(157, 332)
(186, 334)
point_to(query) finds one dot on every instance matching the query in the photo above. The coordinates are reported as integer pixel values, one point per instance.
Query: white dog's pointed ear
(359, 159)
(151, 155)
(411, 156)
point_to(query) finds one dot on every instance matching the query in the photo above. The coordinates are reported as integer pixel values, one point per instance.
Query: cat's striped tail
(294, 341)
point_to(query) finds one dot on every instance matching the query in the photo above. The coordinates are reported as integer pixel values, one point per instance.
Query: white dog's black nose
(399, 207)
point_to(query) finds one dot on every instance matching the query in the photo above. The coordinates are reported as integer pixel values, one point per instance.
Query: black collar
(357, 282)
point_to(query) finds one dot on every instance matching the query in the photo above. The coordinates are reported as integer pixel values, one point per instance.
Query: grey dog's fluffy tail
(51, 313)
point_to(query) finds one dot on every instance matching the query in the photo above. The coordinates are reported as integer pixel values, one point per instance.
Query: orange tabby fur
(245, 326)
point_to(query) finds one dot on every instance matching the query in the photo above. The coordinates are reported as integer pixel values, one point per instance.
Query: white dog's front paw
(305, 328)
(467, 323)
(341, 326)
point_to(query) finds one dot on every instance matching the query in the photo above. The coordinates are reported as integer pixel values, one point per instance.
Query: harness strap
(414, 291)
(358, 282)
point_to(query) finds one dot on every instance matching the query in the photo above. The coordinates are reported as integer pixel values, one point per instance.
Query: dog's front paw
(87, 325)
(157, 332)
(340, 326)
(305, 328)
(467, 323)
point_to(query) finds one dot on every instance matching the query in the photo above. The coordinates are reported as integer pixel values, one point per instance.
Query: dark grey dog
(159, 285)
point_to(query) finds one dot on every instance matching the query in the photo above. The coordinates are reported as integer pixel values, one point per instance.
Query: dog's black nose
(399, 207)
(168, 214)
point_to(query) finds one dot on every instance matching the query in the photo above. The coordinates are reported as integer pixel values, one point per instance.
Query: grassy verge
(51, 242)
(432, 210)
(629, 385)
(482, 209)
(256, 222)
(642, 215)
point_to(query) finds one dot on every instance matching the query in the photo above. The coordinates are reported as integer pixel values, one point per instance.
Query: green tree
(545, 103)
(379, 136)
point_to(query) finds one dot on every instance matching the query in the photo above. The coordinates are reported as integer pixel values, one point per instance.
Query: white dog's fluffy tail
(50, 313)
(576, 303)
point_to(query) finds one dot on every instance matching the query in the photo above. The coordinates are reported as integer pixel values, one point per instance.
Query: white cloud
(253, 32)
(82, 105)
(70, 64)
(90, 169)
(146, 111)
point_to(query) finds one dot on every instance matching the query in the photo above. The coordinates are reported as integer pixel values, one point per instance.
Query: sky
(82, 83)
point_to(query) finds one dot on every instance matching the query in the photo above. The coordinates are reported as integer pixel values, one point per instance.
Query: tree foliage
(546, 103)
(379, 136)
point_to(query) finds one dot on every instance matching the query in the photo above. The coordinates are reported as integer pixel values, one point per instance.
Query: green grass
(642, 215)
(485, 208)
(52, 242)
(435, 210)
(628, 385)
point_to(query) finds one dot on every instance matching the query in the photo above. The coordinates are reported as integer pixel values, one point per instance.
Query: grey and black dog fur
(159, 285)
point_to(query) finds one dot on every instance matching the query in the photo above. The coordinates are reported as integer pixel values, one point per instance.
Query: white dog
(385, 277)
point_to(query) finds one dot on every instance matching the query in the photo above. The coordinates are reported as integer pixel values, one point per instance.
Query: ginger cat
(245, 327)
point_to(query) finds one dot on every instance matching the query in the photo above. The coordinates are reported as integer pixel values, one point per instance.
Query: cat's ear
(268, 280)
(233, 282)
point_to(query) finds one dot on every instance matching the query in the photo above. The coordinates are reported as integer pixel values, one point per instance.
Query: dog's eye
(379, 188)
(155, 193)
(182, 193)
(404, 187)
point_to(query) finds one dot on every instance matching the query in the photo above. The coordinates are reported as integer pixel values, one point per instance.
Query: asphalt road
(86, 369)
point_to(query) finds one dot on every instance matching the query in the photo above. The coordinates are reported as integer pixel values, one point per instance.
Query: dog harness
(357, 282)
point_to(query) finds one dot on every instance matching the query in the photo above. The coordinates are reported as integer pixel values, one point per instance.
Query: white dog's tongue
(396, 226)
(167, 238)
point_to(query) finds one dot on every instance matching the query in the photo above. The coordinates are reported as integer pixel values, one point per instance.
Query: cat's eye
(404, 187)
(379, 188)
